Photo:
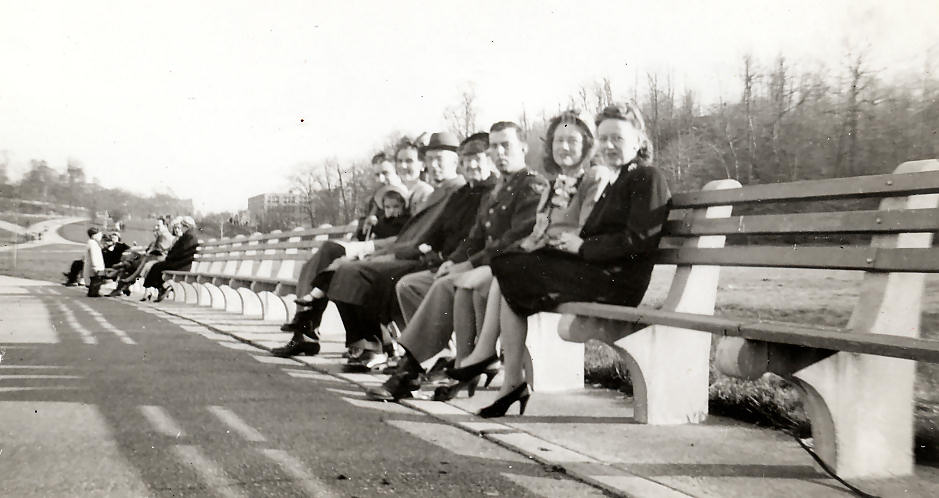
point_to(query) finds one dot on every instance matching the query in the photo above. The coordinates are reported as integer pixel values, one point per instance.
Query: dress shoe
(162, 294)
(502, 405)
(448, 392)
(400, 385)
(467, 372)
(297, 346)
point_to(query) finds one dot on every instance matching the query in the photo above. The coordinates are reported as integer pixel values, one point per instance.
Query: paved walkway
(51, 235)
(102, 399)
(592, 436)
(589, 434)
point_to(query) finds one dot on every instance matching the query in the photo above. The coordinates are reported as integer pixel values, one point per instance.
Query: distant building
(263, 203)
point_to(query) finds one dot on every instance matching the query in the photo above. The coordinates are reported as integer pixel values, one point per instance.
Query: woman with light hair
(179, 257)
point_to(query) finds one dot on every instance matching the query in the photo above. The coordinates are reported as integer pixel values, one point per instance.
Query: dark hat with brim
(475, 144)
(442, 141)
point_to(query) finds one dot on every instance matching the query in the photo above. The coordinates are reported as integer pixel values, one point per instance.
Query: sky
(221, 100)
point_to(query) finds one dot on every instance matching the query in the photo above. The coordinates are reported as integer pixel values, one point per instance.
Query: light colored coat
(94, 259)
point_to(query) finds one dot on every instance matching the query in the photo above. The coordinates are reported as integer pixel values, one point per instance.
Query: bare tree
(749, 79)
(461, 118)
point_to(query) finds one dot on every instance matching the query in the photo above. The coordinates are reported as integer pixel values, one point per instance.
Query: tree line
(787, 123)
(72, 189)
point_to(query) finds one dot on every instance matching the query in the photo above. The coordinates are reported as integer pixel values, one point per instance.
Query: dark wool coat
(179, 257)
(613, 265)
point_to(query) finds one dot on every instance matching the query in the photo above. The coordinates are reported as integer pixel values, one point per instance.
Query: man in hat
(428, 299)
(366, 297)
(440, 148)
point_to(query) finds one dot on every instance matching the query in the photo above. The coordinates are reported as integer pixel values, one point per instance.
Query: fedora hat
(442, 141)
(475, 143)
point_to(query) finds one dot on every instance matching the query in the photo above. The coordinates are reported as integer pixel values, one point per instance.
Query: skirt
(541, 280)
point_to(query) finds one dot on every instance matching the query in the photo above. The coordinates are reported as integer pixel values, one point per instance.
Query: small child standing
(94, 262)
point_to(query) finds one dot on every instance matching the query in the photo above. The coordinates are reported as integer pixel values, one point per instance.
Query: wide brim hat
(441, 141)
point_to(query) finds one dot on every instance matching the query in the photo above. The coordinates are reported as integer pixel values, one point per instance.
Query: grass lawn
(24, 220)
(78, 232)
(40, 263)
(7, 237)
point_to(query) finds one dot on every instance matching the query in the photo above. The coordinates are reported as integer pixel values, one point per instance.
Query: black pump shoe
(446, 393)
(502, 405)
(467, 372)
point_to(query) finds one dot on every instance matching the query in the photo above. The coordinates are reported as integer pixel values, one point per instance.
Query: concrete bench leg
(273, 306)
(233, 301)
(216, 297)
(669, 371)
(179, 291)
(251, 303)
(190, 293)
(205, 297)
(861, 408)
(557, 365)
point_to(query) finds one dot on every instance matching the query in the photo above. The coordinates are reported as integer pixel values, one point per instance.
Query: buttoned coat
(506, 216)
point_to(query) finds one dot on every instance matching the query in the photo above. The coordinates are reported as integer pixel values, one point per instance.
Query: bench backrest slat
(838, 258)
(871, 221)
(858, 187)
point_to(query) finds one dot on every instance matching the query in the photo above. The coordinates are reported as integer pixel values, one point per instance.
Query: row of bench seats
(857, 382)
(255, 276)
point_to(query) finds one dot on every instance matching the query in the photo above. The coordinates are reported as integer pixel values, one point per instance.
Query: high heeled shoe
(467, 372)
(502, 405)
(446, 393)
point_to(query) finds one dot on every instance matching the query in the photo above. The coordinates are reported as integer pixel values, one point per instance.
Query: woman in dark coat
(179, 257)
(605, 262)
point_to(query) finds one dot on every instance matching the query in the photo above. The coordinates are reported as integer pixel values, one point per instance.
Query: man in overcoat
(364, 291)
(333, 254)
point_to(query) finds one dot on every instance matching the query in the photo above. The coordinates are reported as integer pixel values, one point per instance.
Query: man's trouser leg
(75, 271)
(360, 324)
(411, 290)
(327, 253)
(431, 325)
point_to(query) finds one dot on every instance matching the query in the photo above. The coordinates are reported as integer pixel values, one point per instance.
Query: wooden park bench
(857, 382)
(255, 276)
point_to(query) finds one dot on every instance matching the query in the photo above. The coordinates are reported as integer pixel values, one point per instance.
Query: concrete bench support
(251, 303)
(205, 297)
(557, 365)
(273, 306)
(668, 366)
(217, 298)
(860, 406)
(233, 300)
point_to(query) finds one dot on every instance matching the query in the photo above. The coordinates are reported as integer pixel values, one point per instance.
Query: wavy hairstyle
(586, 130)
(629, 112)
